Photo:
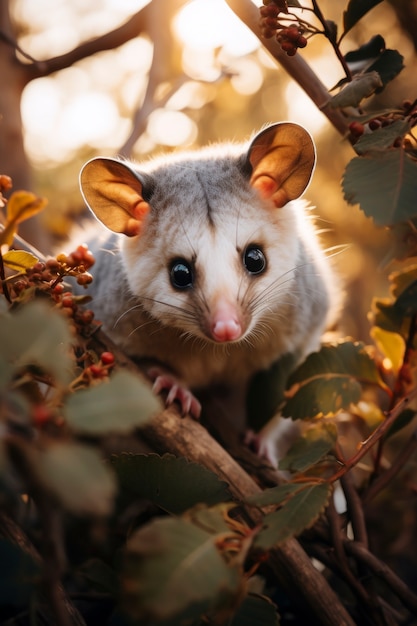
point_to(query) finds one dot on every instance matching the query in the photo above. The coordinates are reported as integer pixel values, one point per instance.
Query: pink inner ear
(265, 185)
(268, 189)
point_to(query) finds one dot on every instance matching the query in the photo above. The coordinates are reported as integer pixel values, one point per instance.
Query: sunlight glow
(207, 25)
(171, 128)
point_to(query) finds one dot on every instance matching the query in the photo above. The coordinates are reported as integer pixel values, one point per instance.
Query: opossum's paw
(274, 439)
(262, 446)
(175, 392)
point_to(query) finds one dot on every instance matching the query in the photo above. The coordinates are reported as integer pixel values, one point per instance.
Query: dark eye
(254, 260)
(181, 274)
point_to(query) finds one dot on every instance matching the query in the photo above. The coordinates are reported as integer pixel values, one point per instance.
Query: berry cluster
(289, 37)
(409, 111)
(48, 275)
(5, 185)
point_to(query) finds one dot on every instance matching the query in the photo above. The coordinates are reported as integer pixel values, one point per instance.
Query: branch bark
(295, 66)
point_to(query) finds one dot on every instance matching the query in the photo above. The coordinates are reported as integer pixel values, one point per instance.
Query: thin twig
(395, 467)
(355, 510)
(380, 569)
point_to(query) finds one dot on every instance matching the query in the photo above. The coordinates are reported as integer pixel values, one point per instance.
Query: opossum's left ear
(282, 159)
(113, 192)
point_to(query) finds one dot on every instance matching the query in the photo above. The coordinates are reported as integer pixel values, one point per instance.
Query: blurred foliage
(156, 540)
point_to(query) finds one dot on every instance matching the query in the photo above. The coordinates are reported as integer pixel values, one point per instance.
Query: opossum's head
(210, 237)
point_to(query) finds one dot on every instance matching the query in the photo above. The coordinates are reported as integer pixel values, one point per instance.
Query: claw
(175, 392)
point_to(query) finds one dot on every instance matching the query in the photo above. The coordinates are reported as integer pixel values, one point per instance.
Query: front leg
(164, 381)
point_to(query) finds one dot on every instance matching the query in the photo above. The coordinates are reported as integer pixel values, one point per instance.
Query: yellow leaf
(19, 260)
(22, 205)
(392, 345)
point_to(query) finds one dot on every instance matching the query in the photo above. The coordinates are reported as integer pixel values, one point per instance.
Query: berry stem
(328, 34)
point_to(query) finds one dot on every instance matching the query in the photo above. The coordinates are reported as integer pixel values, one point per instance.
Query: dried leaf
(362, 86)
(19, 260)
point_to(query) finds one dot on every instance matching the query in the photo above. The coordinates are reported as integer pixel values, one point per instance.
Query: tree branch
(295, 66)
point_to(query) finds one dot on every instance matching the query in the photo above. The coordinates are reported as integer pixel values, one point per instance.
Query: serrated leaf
(314, 444)
(274, 495)
(174, 484)
(388, 65)
(77, 477)
(346, 357)
(361, 86)
(323, 397)
(117, 406)
(171, 566)
(328, 381)
(36, 335)
(255, 611)
(356, 9)
(19, 260)
(299, 513)
(382, 138)
(384, 185)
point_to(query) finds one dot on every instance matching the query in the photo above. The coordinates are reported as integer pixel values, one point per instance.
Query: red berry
(96, 371)
(301, 41)
(356, 128)
(41, 415)
(87, 316)
(68, 301)
(107, 358)
(374, 124)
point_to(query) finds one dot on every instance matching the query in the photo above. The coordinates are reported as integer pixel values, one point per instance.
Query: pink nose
(225, 322)
(226, 330)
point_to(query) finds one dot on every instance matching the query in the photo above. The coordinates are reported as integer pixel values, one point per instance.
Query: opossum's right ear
(113, 192)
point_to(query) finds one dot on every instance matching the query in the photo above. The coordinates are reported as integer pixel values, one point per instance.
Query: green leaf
(275, 495)
(299, 513)
(36, 335)
(369, 50)
(406, 303)
(384, 185)
(314, 444)
(77, 477)
(382, 138)
(387, 317)
(404, 418)
(361, 86)
(117, 406)
(323, 397)
(255, 611)
(172, 566)
(266, 390)
(328, 381)
(356, 9)
(388, 65)
(174, 484)
(19, 260)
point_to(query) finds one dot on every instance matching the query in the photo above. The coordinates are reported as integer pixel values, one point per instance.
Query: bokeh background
(188, 73)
